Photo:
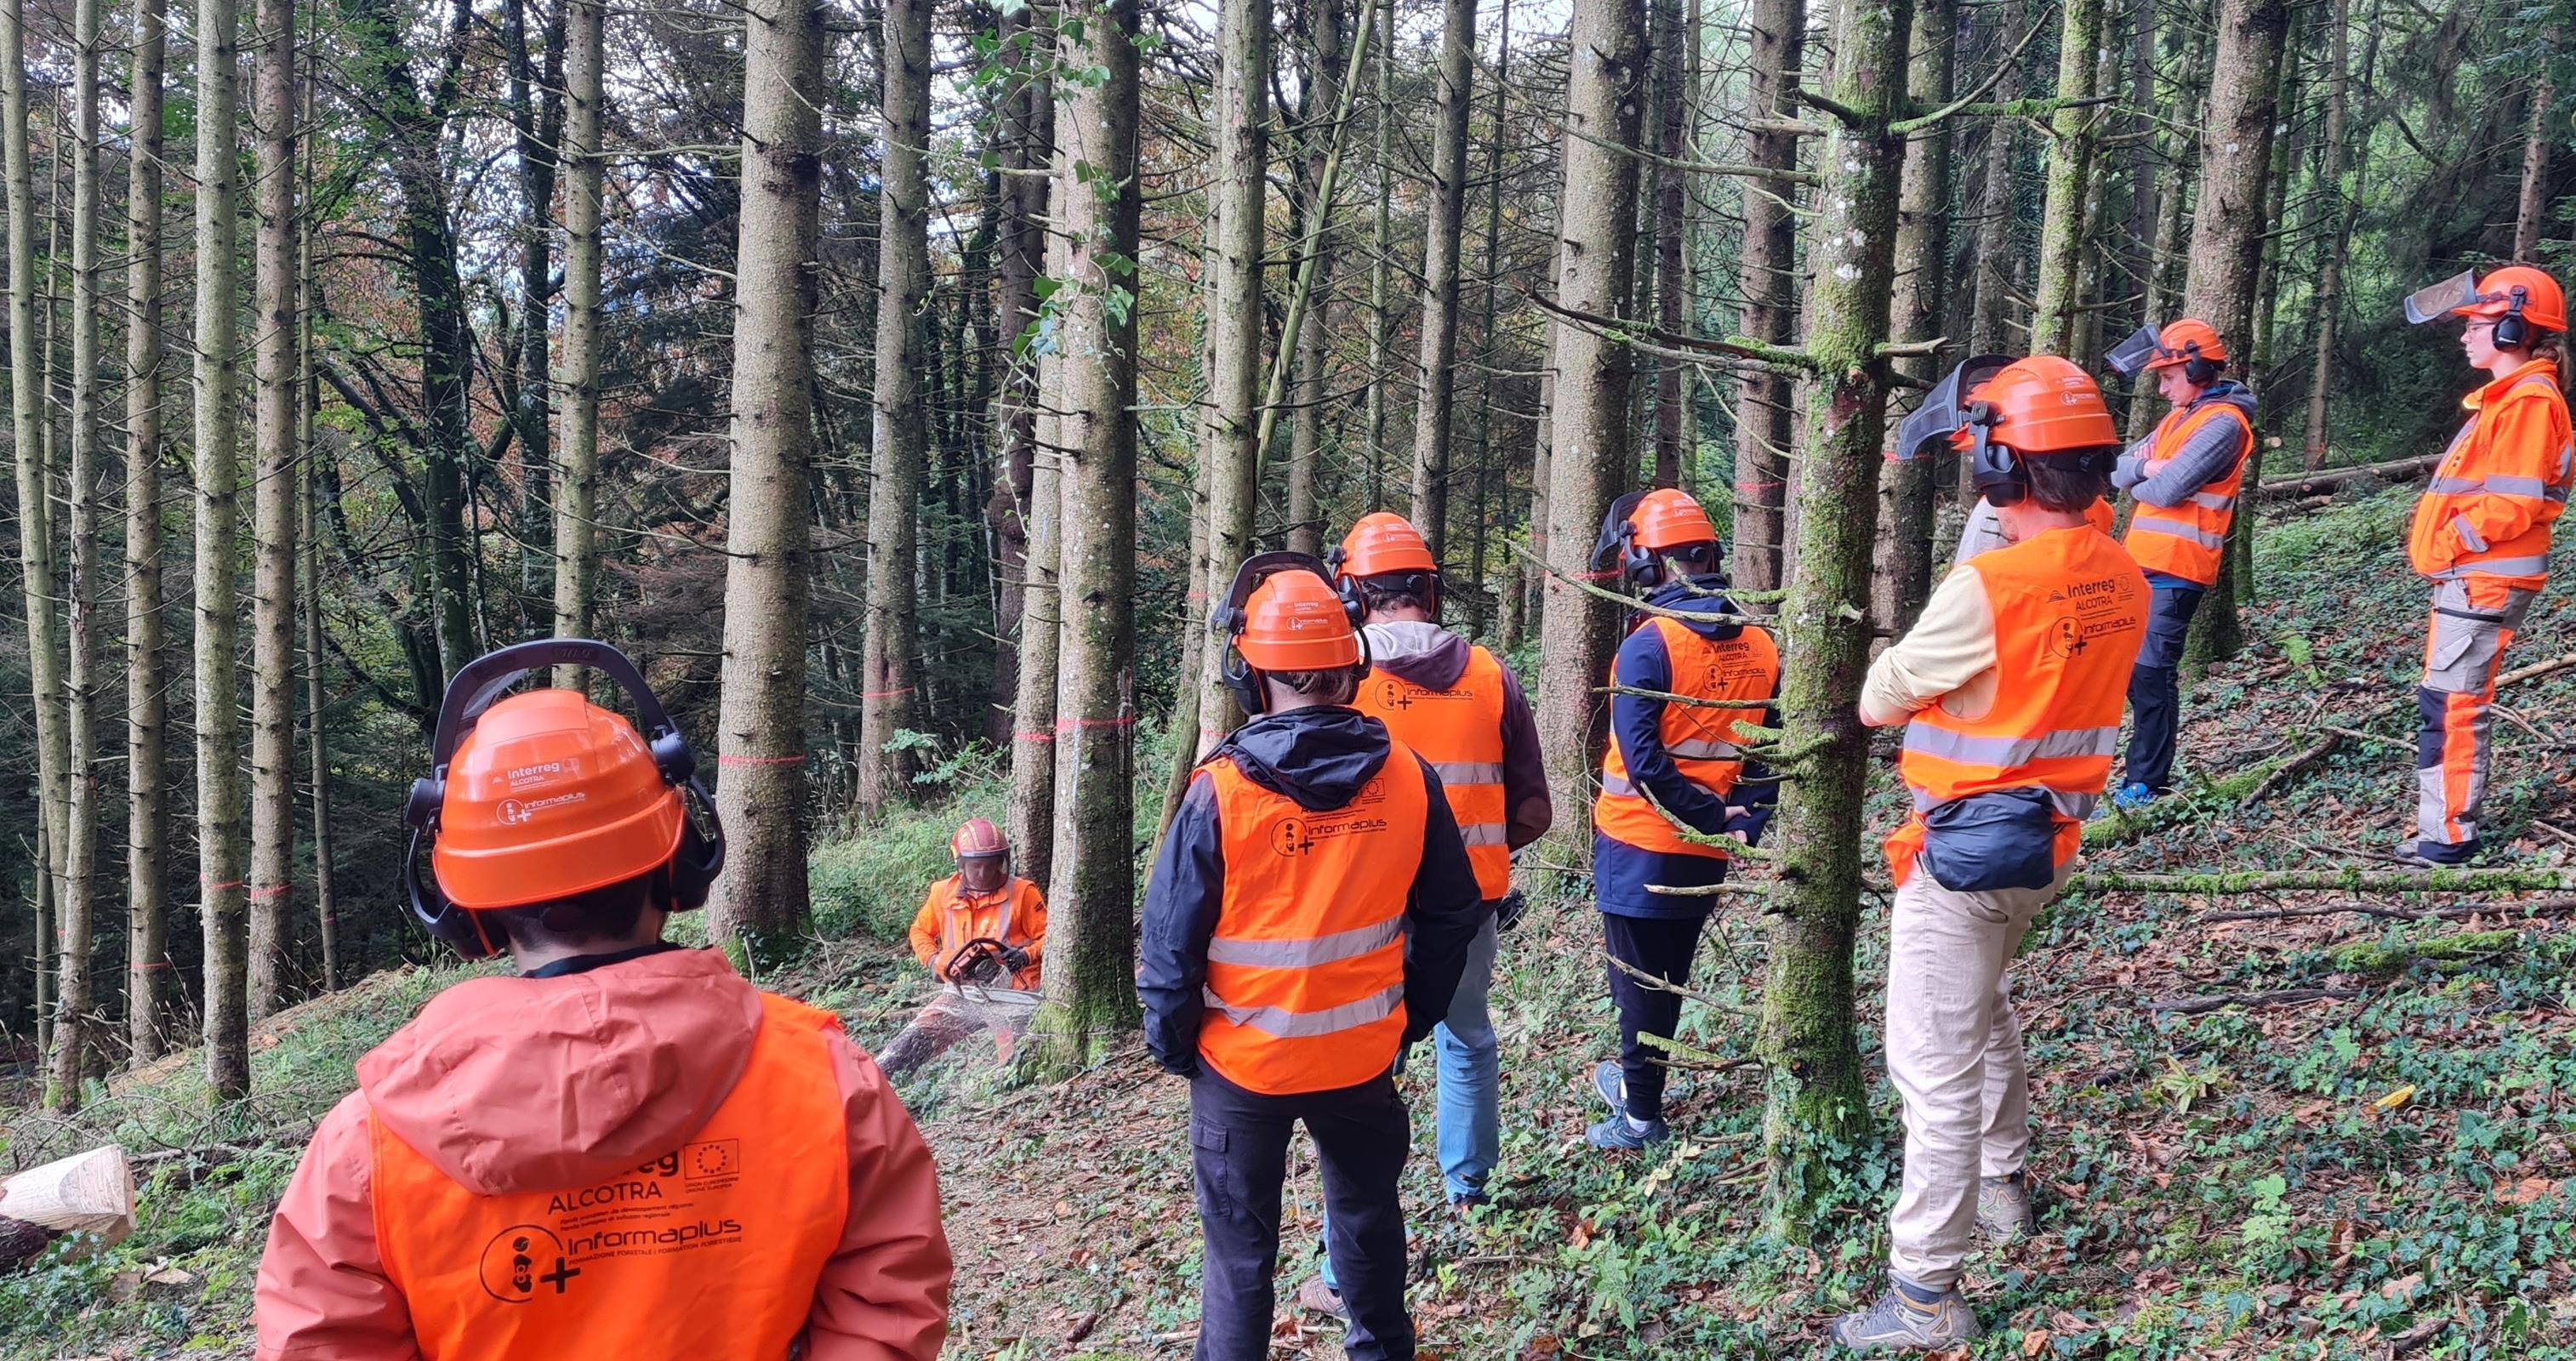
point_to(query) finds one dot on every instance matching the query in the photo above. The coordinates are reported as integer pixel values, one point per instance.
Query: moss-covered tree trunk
(1594, 449)
(2070, 155)
(1903, 576)
(1091, 925)
(1818, 1104)
(2227, 235)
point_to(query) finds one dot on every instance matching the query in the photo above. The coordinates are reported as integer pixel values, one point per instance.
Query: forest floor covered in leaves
(2385, 1170)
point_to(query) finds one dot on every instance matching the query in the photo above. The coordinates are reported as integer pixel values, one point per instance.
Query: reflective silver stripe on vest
(2007, 752)
(2501, 484)
(1305, 1025)
(1618, 786)
(1482, 834)
(2496, 567)
(2157, 524)
(2210, 500)
(1468, 772)
(2076, 806)
(1305, 953)
(1703, 749)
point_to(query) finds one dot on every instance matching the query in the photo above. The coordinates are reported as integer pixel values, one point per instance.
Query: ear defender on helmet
(1993, 468)
(1285, 612)
(2512, 331)
(637, 799)
(2198, 371)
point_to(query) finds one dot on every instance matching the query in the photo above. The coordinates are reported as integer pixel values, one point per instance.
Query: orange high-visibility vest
(1014, 914)
(711, 1249)
(1460, 732)
(2483, 472)
(1305, 974)
(2070, 609)
(2188, 540)
(1703, 743)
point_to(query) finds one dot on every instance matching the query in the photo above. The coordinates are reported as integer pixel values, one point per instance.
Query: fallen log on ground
(2347, 880)
(2537, 907)
(2334, 479)
(2193, 1006)
(90, 1194)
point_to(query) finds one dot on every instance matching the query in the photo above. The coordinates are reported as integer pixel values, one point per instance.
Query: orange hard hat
(2043, 404)
(1383, 542)
(2176, 341)
(1294, 621)
(2544, 303)
(1666, 518)
(978, 837)
(549, 796)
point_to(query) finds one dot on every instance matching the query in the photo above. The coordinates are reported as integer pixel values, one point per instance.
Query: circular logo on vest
(523, 1261)
(1391, 695)
(2065, 638)
(1289, 836)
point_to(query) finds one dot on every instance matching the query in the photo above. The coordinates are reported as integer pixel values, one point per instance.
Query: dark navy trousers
(2155, 687)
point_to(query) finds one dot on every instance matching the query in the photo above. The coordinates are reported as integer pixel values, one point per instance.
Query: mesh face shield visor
(2130, 357)
(2445, 298)
(1927, 430)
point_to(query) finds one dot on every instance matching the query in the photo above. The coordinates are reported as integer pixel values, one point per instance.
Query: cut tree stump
(90, 1194)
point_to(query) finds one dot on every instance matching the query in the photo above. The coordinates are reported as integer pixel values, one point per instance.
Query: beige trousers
(1954, 1053)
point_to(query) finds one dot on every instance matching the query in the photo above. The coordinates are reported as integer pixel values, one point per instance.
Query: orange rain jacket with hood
(511, 1085)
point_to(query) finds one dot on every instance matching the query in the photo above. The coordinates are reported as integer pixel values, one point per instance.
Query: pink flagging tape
(258, 895)
(156, 964)
(218, 888)
(1033, 737)
(729, 759)
(1062, 724)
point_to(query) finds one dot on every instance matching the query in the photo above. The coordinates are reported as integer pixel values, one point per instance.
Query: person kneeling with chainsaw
(2009, 687)
(1307, 920)
(623, 1149)
(979, 933)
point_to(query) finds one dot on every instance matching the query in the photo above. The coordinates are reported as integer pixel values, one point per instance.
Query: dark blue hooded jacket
(1321, 758)
(1621, 872)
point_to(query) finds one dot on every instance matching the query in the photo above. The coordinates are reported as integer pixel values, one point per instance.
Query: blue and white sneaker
(1610, 1083)
(1620, 1132)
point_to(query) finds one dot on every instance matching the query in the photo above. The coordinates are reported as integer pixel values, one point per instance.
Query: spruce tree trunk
(147, 706)
(1033, 739)
(2165, 267)
(275, 403)
(1029, 126)
(891, 669)
(2227, 239)
(1592, 457)
(1492, 466)
(1440, 250)
(536, 116)
(2345, 208)
(1671, 221)
(1228, 463)
(1318, 121)
(1381, 242)
(1090, 982)
(1818, 1106)
(576, 482)
(760, 721)
(1776, 32)
(2070, 155)
(1902, 577)
(2531, 213)
(326, 897)
(82, 689)
(220, 811)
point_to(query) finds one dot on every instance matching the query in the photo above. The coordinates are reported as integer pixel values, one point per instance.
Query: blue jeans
(1471, 1082)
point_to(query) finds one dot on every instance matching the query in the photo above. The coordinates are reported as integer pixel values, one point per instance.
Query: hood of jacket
(1320, 757)
(1418, 653)
(1692, 597)
(2233, 393)
(521, 1084)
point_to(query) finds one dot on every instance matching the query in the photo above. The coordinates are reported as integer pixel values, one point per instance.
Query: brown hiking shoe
(1315, 1297)
(2003, 1208)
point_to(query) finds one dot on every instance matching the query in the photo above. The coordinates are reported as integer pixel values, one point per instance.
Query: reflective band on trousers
(1299, 954)
(2076, 806)
(2007, 752)
(2149, 525)
(1306, 1025)
(2502, 484)
(1468, 772)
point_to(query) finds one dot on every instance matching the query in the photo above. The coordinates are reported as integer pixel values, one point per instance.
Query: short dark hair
(1342, 683)
(1400, 590)
(607, 913)
(2070, 483)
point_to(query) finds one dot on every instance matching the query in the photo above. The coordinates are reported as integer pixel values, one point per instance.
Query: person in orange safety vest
(2184, 476)
(2481, 534)
(1676, 787)
(1307, 920)
(980, 933)
(2009, 687)
(624, 1147)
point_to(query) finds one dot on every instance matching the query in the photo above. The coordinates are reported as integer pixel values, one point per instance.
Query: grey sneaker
(1896, 1323)
(1315, 1297)
(1616, 1132)
(1611, 1085)
(2003, 1208)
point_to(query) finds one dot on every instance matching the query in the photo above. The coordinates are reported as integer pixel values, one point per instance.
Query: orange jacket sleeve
(925, 930)
(884, 1293)
(322, 1293)
(2526, 457)
(1029, 915)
